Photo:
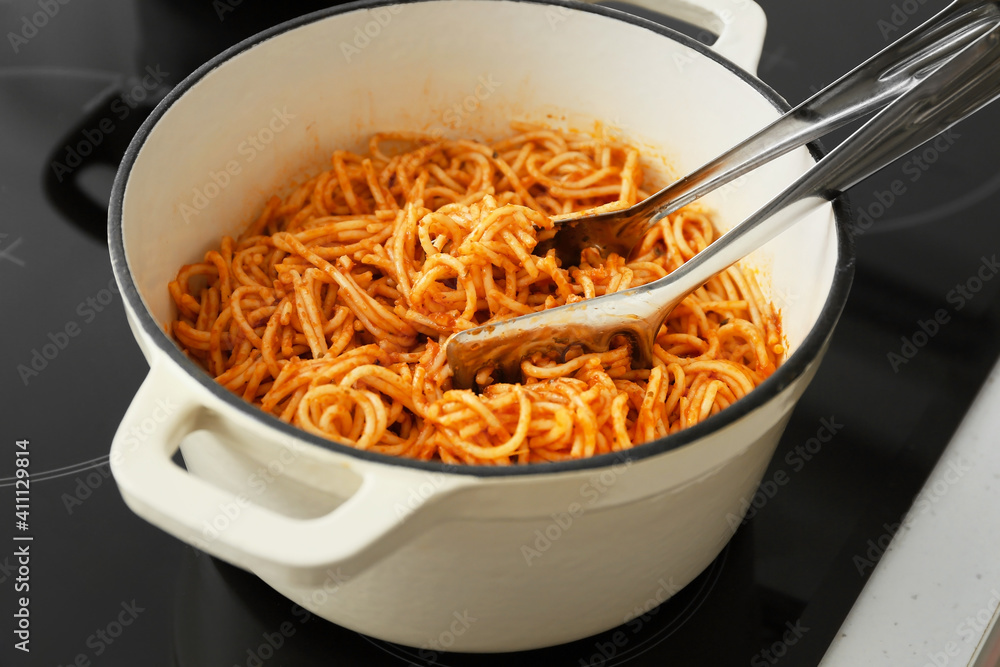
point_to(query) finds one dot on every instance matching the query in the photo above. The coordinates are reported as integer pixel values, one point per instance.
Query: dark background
(793, 565)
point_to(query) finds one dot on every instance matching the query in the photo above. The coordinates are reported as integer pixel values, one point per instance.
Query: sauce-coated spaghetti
(331, 311)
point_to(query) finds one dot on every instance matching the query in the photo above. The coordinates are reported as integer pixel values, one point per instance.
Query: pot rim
(788, 372)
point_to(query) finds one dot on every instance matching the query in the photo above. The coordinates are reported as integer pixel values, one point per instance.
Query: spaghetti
(332, 310)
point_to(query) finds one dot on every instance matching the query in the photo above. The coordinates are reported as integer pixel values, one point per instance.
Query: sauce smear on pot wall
(332, 309)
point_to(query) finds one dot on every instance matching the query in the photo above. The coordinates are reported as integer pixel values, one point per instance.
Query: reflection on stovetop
(226, 616)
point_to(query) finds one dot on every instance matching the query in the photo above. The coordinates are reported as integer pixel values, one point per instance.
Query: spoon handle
(871, 85)
(956, 90)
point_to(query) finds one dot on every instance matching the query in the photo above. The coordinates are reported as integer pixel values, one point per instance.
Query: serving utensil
(870, 86)
(956, 89)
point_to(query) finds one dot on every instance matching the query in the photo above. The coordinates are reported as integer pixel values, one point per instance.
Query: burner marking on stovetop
(952, 208)
(60, 472)
(116, 83)
(49, 70)
(5, 253)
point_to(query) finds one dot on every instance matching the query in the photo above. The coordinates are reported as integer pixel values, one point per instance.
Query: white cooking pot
(465, 558)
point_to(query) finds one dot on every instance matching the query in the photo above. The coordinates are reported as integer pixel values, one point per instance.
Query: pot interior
(272, 113)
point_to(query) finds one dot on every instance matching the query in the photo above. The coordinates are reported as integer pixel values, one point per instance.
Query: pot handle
(371, 523)
(739, 24)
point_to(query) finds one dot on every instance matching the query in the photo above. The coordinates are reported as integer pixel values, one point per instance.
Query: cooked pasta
(332, 310)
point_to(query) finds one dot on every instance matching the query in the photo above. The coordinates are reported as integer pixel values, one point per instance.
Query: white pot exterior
(398, 550)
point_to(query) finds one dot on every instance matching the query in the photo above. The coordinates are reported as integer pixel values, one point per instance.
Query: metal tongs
(963, 78)
(870, 86)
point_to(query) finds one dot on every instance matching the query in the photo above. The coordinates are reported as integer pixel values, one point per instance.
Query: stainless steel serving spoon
(955, 90)
(868, 87)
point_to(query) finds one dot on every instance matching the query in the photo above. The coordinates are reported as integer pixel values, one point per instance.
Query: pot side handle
(370, 524)
(739, 24)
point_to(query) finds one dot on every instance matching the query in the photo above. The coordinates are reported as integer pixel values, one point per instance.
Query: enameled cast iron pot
(464, 558)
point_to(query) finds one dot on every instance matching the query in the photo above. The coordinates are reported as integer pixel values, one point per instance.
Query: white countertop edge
(935, 592)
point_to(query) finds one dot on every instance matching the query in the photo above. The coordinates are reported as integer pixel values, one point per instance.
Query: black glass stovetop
(108, 589)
